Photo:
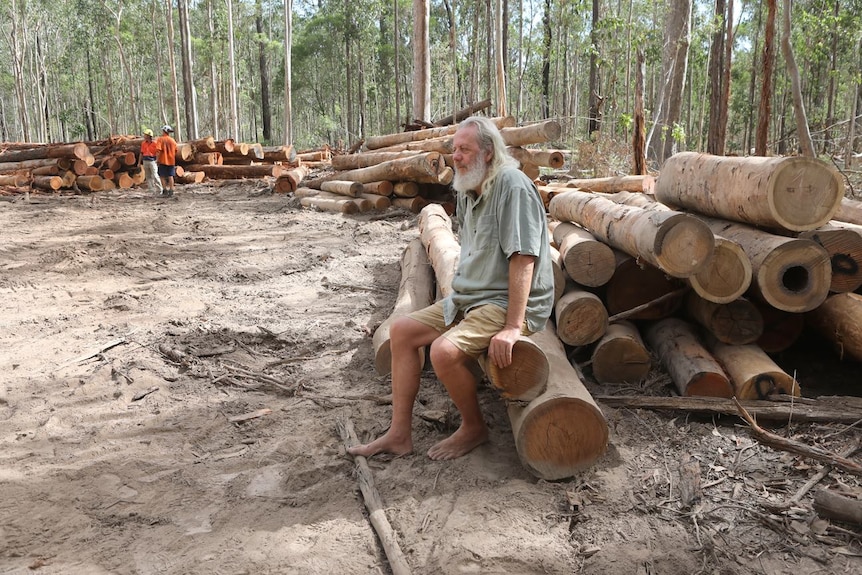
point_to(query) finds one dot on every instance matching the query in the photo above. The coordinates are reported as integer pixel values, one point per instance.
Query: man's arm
(520, 281)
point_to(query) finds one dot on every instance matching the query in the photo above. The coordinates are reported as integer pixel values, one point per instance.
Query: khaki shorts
(471, 333)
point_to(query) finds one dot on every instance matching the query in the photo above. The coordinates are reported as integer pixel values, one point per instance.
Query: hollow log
(345, 206)
(795, 193)
(736, 323)
(620, 355)
(419, 168)
(342, 188)
(237, 172)
(839, 320)
(381, 188)
(581, 317)
(677, 243)
(415, 292)
(843, 242)
(537, 157)
(537, 133)
(614, 184)
(185, 152)
(634, 284)
(691, 367)
(586, 260)
(366, 159)
(789, 274)
(562, 431)
(444, 251)
(753, 373)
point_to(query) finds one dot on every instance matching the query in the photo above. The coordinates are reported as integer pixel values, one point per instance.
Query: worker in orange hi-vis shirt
(148, 159)
(166, 148)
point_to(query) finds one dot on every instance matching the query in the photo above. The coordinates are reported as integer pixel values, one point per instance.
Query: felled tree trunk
(549, 159)
(342, 188)
(78, 150)
(843, 242)
(753, 373)
(691, 367)
(290, 180)
(538, 133)
(419, 168)
(793, 193)
(610, 185)
(366, 159)
(562, 431)
(344, 206)
(581, 317)
(736, 323)
(849, 211)
(523, 379)
(444, 251)
(677, 243)
(781, 329)
(839, 320)
(620, 356)
(586, 260)
(236, 172)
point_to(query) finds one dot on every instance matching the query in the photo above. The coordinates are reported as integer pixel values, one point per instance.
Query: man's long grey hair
(490, 140)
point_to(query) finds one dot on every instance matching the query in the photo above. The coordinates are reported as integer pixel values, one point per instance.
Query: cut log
(284, 154)
(387, 140)
(290, 180)
(586, 260)
(209, 158)
(366, 159)
(191, 178)
(405, 189)
(414, 205)
(849, 211)
(465, 112)
(7, 167)
(559, 274)
(226, 146)
(691, 367)
(677, 243)
(736, 323)
(237, 172)
(753, 374)
(78, 150)
(345, 206)
(795, 193)
(581, 317)
(89, 183)
(634, 284)
(532, 172)
(185, 152)
(843, 242)
(43, 182)
(15, 180)
(523, 379)
(614, 184)
(538, 133)
(839, 320)
(419, 168)
(379, 203)
(789, 274)
(382, 188)
(562, 431)
(342, 188)
(781, 328)
(537, 157)
(620, 356)
(444, 251)
(206, 144)
(441, 146)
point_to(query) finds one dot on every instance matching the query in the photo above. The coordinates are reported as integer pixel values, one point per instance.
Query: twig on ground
(102, 349)
(818, 477)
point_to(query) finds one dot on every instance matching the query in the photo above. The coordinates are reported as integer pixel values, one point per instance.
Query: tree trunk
(581, 317)
(288, 80)
(421, 61)
(763, 116)
(499, 58)
(586, 260)
(289, 181)
(234, 106)
(849, 211)
(539, 133)
(714, 144)
(594, 121)
(805, 142)
(562, 431)
(78, 150)
(792, 193)
(736, 323)
(342, 188)
(537, 157)
(344, 206)
(366, 159)
(677, 243)
(382, 188)
(175, 98)
(189, 94)
(691, 367)
(263, 69)
(620, 356)
(753, 374)
(643, 183)
(236, 172)
(639, 129)
(843, 242)
(839, 321)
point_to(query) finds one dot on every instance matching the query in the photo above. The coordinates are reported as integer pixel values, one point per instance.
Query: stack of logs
(711, 268)
(409, 169)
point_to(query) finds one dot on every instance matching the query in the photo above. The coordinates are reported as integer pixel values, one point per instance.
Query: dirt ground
(134, 331)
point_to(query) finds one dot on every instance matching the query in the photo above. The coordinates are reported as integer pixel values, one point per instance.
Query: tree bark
(765, 111)
(796, 88)
(421, 61)
(839, 321)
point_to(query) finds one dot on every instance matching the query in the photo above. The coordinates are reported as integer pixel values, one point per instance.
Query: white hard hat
(167, 128)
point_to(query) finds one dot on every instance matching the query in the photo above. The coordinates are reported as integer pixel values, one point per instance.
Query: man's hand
(500, 350)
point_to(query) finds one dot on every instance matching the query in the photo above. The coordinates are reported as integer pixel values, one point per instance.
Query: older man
(503, 288)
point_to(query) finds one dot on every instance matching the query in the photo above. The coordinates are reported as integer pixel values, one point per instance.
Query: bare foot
(386, 443)
(459, 443)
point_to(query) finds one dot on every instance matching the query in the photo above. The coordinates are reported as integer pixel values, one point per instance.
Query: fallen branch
(791, 446)
(832, 505)
(373, 502)
(102, 349)
(821, 410)
(818, 477)
(639, 308)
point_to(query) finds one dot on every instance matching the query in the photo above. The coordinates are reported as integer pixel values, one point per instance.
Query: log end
(709, 385)
(683, 246)
(795, 276)
(526, 377)
(805, 193)
(727, 276)
(768, 383)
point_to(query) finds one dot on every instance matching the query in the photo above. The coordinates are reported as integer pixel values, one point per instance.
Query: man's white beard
(472, 178)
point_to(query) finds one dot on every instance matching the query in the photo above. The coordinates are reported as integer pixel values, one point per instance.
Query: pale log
(414, 205)
(753, 373)
(206, 144)
(586, 260)
(444, 251)
(468, 111)
(381, 188)
(44, 182)
(237, 172)
(419, 168)
(279, 154)
(559, 274)
(342, 188)
(209, 158)
(379, 203)
(303, 192)
(636, 283)
(562, 431)
(7, 167)
(843, 242)
(849, 211)
(405, 189)
(289, 180)
(15, 180)
(345, 206)
(185, 152)
(78, 150)
(322, 155)
(538, 133)
(736, 323)
(789, 274)
(537, 157)
(831, 505)
(839, 320)
(781, 328)
(191, 178)
(366, 159)
(531, 171)
(677, 243)
(795, 193)
(387, 140)
(225, 146)
(614, 184)
(691, 367)
(581, 317)
(440, 145)
(620, 355)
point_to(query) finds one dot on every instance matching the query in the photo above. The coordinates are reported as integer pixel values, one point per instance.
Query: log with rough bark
(637, 184)
(736, 323)
(226, 146)
(208, 158)
(843, 242)
(677, 243)
(620, 356)
(559, 275)
(78, 150)
(537, 157)
(342, 188)
(538, 133)
(444, 251)
(15, 180)
(581, 317)
(205, 144)
(790, 274)
(366, 159)
(419, 168)
(8, 167)
(237, 172)
(831, 505)
(636, 283)
(752, 372)
(388, 140)
(464, 113)
(839, 321)
(344, 206)
(849, 211)
(185, 152)
(691, 367)
(793, 193)
(52, 183)
(586, 260)
(562, 431)
(289, 180)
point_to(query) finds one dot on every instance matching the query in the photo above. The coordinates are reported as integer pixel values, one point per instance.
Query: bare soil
(134, 331)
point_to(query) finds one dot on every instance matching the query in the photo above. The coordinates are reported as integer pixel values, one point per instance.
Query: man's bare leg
(406, 337)
(451, 366)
